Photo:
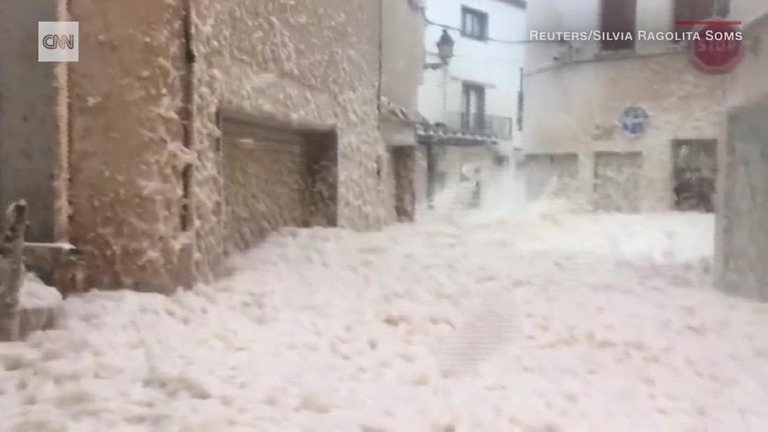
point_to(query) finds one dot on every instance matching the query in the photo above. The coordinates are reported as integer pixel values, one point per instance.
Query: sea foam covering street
(640, 35)
(540, 321)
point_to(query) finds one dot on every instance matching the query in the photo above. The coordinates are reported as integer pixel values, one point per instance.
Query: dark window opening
(618, 23)
(474, 23)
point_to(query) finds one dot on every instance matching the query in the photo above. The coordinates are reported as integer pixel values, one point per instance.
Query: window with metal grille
(474, 23)
(618, 18)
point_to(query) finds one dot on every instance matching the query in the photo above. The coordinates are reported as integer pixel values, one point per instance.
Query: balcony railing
(481, 124)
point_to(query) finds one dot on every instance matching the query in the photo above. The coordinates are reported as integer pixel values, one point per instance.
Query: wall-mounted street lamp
(444, 51)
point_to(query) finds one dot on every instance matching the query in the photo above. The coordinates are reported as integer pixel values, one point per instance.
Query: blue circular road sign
(634, 121)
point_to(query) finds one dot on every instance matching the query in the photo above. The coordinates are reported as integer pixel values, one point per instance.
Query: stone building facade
(189, 130)
(577, 92)
(742, 227)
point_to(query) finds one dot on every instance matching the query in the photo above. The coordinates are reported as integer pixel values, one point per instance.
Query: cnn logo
(52, 41)
(58, 41)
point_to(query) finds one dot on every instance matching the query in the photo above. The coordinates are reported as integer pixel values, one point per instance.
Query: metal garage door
(264, 181)
(552, 175)
(617, 178)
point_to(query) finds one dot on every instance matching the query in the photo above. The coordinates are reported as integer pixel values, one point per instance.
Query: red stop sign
(717, 49)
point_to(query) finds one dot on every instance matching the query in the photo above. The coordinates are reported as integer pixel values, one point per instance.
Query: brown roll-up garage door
(265, 181)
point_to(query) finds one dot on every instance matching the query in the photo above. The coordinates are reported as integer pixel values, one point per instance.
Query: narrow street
(515, 216)
(532, 323)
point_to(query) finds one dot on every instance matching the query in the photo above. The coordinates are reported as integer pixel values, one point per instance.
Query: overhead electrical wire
(490, 39)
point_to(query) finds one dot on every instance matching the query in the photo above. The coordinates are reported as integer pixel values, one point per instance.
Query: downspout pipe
(380, 59)
(186, 277)
(188, 107)
(63, 213)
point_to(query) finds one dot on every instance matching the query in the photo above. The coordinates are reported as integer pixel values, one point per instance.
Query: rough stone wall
(29, 129)
(741, 245)
(576, 107)
(127, 151)
(311, 64)
(306, 64)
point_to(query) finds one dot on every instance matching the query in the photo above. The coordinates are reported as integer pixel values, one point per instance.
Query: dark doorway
(404, 163)
(437, 178)
(694, 174)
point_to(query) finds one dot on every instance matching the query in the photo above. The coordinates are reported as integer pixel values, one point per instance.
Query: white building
(578, 90)
(475, 97)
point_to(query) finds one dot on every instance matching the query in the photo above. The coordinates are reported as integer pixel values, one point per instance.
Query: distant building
(402, 60)
(190, 130)
(470, 104)
(742, 226)
(606, 118)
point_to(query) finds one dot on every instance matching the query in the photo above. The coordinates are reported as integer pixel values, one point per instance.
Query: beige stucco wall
(311, 64)
(575, 108)
(741, 246)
